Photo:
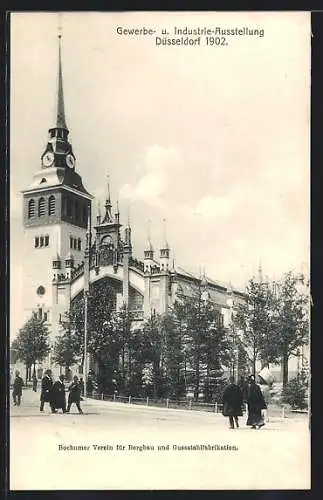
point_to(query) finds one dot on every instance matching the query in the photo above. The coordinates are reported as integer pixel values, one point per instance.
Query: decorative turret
(164, 251)
(56, 262)
(69, 261)
(98, 215)
(148, 252)
(117, 214)
(108, 218)
(69, 265)
(127, 247)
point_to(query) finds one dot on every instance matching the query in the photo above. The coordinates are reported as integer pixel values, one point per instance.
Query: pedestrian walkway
(31, 400)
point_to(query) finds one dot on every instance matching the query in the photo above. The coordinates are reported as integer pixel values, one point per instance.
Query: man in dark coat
(256, 404)
(17, 389)
(59, 400)
(74, 394)
(46, 395)
(232, 401)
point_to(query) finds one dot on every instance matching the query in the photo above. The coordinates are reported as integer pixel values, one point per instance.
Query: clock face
(48, 159)
(40, 290)
(70, 161)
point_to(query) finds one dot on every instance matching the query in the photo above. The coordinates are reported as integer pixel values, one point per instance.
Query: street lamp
(87, 257)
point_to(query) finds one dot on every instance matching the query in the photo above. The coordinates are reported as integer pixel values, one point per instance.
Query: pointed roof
(60, 115)
(165, 245)
(56, 257)
(149, 247)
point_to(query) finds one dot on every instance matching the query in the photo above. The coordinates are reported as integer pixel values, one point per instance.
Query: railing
(274, 411)
(137, 264)
(78, 271)
(161, 403)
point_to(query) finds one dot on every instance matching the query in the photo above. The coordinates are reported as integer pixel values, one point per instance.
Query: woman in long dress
(256, 404)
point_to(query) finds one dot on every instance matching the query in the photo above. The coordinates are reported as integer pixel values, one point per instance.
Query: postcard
(159, 239)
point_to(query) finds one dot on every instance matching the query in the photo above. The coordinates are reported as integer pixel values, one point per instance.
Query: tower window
(51, 205)
(36, 242)
(74, 243)
(41, 207)
(31, 208)
(46, 240)
(41, 239)
(79, 244)
(71, 242)
(40, 313)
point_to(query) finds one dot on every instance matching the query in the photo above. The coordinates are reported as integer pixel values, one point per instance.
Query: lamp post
(87, 257)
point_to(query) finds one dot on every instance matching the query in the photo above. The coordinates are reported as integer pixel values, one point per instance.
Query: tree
(295, 392)
(256, 318)
(204, 342)
(67, 347)
(292, 320)
(172, 332)
(101, 305)
(32, 343)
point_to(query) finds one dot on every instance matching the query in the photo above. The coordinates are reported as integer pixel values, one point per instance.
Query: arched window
(41, 241)
(46, 240)
(41, 207)
(51, 205)
(71, 242)
(74, 243)
(79, 244)
(36, 242)
(31, 208)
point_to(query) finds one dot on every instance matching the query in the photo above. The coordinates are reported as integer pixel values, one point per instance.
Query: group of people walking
(234, 398)
(53, 393)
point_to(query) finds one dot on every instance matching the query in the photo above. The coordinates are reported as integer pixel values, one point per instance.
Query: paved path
(121, 449)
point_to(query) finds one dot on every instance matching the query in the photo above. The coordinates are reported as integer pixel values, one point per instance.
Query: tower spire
(108, 205)
(60, 115)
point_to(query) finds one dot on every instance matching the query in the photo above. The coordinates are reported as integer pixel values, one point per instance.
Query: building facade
(64, 249)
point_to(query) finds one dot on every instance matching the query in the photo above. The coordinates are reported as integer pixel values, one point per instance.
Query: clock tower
(56, 208)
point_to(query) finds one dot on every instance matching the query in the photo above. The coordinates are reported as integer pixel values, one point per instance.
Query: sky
(214, 139)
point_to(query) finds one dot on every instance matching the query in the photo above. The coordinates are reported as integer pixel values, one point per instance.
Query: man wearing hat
(17, 389)
(46, 395)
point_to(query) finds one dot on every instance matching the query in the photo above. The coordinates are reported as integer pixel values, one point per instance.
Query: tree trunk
(285, 368)
(254, 363)
(34, 370)
(26, 373)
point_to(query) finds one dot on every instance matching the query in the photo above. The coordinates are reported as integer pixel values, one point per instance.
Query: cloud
(158, 166)
(210, 207)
